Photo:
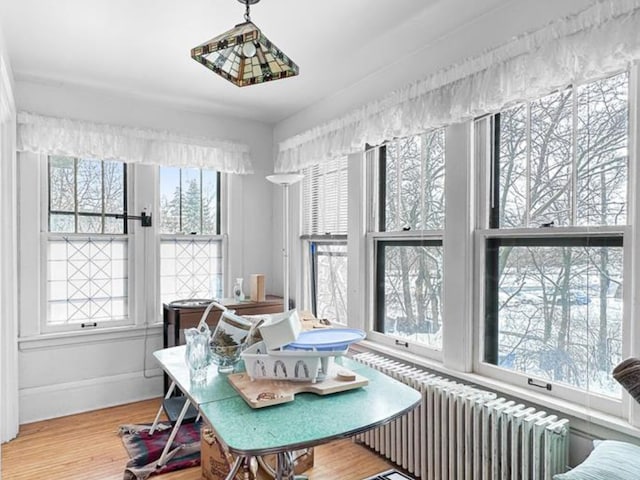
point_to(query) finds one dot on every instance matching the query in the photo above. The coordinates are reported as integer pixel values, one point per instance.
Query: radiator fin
(460, 432)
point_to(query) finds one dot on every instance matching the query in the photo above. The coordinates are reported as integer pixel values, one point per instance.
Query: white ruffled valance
(59, 136)
(599, 41)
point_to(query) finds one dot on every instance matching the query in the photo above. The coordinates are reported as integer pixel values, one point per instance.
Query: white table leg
(164, 458)
(157, 419)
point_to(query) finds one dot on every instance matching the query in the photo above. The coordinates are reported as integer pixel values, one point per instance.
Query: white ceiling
(141, 47)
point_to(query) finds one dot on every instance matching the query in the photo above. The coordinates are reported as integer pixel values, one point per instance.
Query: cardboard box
(216, 461)
(256, 288)
(303, 462)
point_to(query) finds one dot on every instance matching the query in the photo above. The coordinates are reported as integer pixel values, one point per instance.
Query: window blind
(324, 191)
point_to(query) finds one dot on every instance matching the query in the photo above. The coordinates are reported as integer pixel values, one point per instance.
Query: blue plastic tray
(323, 339)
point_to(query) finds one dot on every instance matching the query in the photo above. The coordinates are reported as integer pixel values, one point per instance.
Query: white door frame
(9, 419)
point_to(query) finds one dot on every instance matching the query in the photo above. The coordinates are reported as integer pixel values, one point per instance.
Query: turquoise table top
(307, 421)
(216, 388)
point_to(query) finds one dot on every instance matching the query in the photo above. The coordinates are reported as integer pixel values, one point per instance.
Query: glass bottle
(238, 294)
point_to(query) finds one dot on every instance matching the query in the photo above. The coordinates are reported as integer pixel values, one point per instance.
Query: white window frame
(375, 237)
(143, 246)
(34, 225)
(221, 236)
(631, 270)
(221, 239)
(307, 226)
(45, 326)
(307, 262)
(89, 324)
(47, 236)
(466, 185)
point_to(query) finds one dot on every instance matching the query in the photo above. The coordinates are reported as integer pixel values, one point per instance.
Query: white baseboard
(51, 401)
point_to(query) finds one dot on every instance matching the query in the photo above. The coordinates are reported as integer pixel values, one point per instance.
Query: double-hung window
(554, 245)
(191, 244)
(407, 233)
(86, 247)
(324, 229)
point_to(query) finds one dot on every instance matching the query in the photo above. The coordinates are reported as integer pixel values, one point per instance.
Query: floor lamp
(285, 180)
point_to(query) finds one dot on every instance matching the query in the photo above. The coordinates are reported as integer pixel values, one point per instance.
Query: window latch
(532, 382)
(145, 219)
(406, 229)
(547, 225)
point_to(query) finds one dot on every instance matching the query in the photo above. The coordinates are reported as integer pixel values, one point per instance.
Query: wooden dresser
(179, 315)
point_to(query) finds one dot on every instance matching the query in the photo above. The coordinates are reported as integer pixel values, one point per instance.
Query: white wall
(68, 375)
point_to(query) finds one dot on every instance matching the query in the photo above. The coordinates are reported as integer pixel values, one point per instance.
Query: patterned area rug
(145, 450)
(390, 475)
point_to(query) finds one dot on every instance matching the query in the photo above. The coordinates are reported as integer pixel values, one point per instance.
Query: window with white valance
(538, 193)
(78, 181)
(595, 43)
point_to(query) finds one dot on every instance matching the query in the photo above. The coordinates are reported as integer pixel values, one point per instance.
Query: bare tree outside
(563, 162)
(331, 281)
(85, 195)
(414, 202)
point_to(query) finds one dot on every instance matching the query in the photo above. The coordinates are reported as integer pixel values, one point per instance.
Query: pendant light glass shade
(244, 56)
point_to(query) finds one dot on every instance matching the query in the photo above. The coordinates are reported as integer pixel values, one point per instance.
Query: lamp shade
(285, 178)
(244, 56)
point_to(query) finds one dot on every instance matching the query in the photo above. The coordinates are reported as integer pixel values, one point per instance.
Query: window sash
(180, 188)
(487, 143)
(391, 182)
(94, 291)
(578, 169)
(191, 264)
(76, 212)
(378, 235)
(191, 267)
(90, 283)
(571, 236)
(313, 271)
(380, 242)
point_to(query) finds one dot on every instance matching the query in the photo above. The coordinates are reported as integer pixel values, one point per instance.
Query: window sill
(583, 419)
(84, 337)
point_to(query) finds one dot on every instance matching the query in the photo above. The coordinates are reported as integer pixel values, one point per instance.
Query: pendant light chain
(246, 12)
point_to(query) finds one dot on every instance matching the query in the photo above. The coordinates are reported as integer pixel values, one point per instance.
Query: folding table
(308, 421)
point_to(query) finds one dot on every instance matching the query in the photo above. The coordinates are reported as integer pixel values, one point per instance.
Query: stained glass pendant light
(244, 56)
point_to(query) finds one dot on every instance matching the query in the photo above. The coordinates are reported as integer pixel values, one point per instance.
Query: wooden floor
(87, 447)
